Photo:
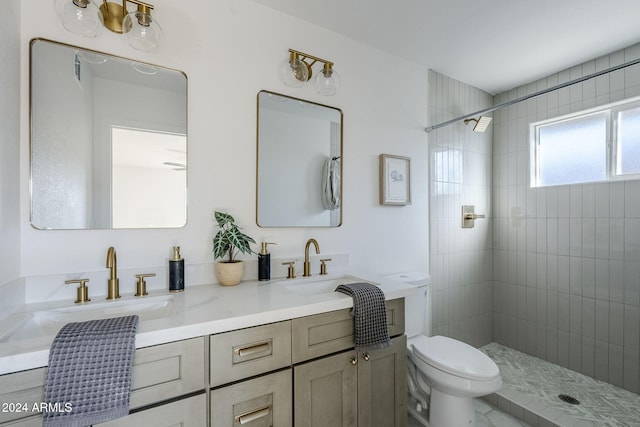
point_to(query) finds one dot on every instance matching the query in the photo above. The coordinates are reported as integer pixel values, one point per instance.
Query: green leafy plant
(229, 240)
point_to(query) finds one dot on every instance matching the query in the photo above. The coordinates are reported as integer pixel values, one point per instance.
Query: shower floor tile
(534, 385)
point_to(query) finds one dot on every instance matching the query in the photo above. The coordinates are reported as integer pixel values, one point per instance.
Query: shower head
(482, 123)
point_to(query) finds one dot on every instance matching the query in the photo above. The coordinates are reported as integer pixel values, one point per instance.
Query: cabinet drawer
(247, 352)
(190, 412)
(159, 373)
(26, 387)
(326, 333)
(260, 402)
(165, 371)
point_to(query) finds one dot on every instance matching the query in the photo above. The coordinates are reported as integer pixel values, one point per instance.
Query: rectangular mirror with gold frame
(299, 166)
(108, 141)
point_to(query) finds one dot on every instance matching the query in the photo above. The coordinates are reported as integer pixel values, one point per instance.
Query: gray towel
(370, 315)
(331, 184)
(89, 375)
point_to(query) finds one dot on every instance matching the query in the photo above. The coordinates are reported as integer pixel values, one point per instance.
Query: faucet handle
(323, 265)
(82, 291)
(141, 284)
(291, 272)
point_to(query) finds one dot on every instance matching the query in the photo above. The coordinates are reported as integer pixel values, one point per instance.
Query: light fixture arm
(297, 70)
(304, 56)
(114, 13)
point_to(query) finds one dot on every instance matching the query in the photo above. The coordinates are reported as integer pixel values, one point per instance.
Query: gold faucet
(113, 284)
(307, 264)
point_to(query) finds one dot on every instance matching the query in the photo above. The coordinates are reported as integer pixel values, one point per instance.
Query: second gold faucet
(113, 283)
(307, 264)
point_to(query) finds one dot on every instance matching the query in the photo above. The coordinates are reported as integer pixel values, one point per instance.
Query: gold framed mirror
(108, 141)
(299, 166)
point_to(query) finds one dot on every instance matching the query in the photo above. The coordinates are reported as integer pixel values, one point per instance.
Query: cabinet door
(382, 386)
(191, 412)
(260, 402)
(326, 392)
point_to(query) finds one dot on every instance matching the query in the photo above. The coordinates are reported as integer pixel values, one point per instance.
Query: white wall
(10, 219)
(230, 50)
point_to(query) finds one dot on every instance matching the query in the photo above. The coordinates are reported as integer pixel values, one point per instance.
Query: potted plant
(227, 242)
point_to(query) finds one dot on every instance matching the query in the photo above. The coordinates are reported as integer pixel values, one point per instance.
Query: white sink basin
(48, 322)
(317, 285)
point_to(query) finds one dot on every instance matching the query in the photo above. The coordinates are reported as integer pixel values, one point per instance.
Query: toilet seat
(454, 357)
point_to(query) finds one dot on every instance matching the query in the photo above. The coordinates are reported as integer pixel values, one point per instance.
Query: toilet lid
(455, 357)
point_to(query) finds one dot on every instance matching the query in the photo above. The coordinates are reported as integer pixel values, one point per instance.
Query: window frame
(611, 112)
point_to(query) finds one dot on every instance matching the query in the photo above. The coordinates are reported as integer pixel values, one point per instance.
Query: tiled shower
(555, 271)
(460, 174)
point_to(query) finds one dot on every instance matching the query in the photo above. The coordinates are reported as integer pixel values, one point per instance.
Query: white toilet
(443, 374)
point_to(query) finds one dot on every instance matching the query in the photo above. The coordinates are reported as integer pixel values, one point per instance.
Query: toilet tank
(417, 307)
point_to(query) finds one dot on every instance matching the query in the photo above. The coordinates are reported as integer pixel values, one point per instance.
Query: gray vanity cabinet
(353, 389)
(348, 388)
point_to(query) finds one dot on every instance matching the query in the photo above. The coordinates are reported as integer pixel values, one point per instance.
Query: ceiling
(494, 45)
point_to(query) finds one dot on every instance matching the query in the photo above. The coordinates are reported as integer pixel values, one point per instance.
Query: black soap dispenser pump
(264, 262)
(176, 271)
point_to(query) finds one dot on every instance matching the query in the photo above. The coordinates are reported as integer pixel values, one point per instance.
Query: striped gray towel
(369, 315)
(89, 375)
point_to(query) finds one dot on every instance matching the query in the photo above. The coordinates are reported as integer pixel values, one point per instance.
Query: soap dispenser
(176, 271)
(264, 262)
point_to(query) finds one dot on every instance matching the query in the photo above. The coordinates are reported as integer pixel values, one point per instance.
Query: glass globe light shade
(327, 81)
(80, 17)
(143, 31)
(294, 71)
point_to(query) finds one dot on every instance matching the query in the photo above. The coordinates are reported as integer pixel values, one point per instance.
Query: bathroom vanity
(256, 354)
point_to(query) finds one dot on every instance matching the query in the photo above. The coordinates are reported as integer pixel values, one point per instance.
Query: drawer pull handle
(252, 349)
(254, 415)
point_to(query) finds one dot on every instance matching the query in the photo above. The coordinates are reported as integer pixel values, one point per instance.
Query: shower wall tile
(601, 362)
(616, 323)
(616, 365)
(577, 246)
(617, 199)
(631, 337)
(588, 356)
(631, 359)
(602, 320)
(462, 260)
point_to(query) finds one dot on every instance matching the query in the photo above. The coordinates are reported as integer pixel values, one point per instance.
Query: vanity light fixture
(83, 17)
(296, 71)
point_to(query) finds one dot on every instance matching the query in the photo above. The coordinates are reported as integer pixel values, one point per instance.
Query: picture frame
(395, 180)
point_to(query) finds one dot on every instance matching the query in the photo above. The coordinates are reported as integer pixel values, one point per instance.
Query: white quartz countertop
(199, 311)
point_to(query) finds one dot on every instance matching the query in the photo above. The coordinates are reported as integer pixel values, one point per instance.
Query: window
(577, 148)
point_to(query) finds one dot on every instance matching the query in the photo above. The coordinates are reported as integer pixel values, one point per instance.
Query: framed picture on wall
(395, 180)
